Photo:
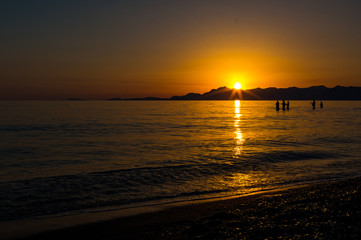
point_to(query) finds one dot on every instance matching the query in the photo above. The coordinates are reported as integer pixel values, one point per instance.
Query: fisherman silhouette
(277, 106)
(288, 105)
(283, 105)
(313, 104)
(321, 104)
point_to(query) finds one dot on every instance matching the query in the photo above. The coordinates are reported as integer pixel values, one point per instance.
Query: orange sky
(165, 48)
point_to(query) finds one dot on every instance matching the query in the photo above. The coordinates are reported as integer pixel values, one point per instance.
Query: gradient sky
(102, 49)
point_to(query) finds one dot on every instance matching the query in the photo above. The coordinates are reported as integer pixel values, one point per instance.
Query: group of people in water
(313, 103)
(286, 105)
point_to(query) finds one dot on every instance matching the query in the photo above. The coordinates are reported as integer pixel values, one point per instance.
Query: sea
(61, 158)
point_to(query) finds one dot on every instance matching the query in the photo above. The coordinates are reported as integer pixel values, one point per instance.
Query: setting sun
(237, 86)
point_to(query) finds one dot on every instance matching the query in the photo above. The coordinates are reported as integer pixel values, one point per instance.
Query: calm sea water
(64, 157)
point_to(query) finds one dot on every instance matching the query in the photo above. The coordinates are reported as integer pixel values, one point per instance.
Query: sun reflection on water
(239, 135)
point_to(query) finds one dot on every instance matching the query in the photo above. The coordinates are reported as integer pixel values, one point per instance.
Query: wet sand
(329, 210)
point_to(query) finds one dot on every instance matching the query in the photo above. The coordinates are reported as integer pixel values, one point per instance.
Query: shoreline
(24, 228)
(316, 209)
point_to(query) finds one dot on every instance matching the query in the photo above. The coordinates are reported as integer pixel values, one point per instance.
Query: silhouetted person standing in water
(277, 106)
(283, 105)
(288, 105)
(321, 104)
(313, 104)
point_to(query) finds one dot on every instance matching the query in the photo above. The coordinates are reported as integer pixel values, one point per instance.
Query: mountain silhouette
(292, 93)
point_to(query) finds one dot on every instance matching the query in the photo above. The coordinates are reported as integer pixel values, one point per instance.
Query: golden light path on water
(238, 132)
(242, 183)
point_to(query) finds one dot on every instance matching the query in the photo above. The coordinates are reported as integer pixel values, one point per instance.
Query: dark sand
(330, 210)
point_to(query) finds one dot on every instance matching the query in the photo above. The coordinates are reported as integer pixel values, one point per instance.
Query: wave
(52, 195)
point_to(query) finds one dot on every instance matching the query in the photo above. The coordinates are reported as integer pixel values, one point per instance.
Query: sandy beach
(328, 210)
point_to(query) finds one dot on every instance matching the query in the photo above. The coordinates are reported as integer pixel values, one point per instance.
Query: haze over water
(63, 157)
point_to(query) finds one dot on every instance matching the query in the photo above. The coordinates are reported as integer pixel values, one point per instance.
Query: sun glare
(237, 86)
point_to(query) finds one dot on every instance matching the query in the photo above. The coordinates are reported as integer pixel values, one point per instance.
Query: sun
(237, 86)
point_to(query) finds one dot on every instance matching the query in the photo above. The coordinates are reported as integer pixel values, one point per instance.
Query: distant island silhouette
(272, 93)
